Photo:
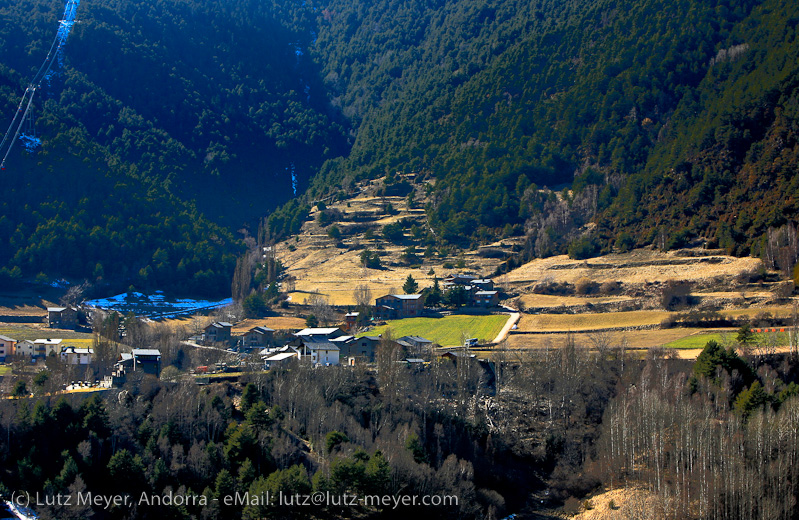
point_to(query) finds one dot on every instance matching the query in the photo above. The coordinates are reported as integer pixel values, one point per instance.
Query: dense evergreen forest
(638, 108)
(190, 119)
(170, 125)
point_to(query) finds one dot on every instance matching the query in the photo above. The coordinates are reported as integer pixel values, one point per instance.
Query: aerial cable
(53, 55)
(19, 128)
(16, 116)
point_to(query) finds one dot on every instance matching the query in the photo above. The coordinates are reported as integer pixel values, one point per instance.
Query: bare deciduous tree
(320, 307)
(75, 294)
(363, 295)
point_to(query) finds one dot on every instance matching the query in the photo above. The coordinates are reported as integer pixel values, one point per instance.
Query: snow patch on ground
(155, 305)
(22, 513)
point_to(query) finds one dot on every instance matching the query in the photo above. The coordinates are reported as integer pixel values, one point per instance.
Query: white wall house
(76, 356)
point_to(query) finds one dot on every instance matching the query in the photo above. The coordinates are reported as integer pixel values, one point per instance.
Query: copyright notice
(243, 499)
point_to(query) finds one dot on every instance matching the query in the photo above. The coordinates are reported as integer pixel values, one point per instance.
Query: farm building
(148, 360)
(62, 317)
(218, 332)
(416, 345)
(257, 337)
(397, 306)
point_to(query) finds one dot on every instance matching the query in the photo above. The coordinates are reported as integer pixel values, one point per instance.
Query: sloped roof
(282, 350)
(320, 345)
(407, 296)
(281, 356)
(146, 352)
(77, 350)
(318, 331)
(261, 330)
(417, 339)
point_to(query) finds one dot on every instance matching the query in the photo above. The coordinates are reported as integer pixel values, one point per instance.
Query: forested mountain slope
(196, 114)
(168, 119)
(496, 99)
(727, 165)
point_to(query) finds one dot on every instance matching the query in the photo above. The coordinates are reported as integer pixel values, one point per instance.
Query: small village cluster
(58, 318)
(145, 360)
(335, 346)
(319, 346)
(478, 292)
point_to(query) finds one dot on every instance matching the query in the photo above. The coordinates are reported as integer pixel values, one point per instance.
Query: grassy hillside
(446, 331)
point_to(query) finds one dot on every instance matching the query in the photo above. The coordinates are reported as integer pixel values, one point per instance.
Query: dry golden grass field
(610, 320)
(636, 267)
(549, 300)
(590, 321)
(617, 504)
(21, 332)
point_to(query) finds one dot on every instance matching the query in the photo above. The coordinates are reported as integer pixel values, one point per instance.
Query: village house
(318, 351)
(6, 347)
(316, 345)
(486, 298)
(398, 306)
(62, 317)
(217, 332)
(458, 279)
(351, 321)
(361, 349)
(485, 284)
(416, 346)
(147, 360)
(124, 362)
(143, 360)
(76, 356)
(281, 357)
(47, 347)
(257, 338)
(25, 348)
(320, 332)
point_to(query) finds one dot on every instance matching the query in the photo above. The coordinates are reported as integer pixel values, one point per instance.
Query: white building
(25, 348)
(46, 347)
(76, 356)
